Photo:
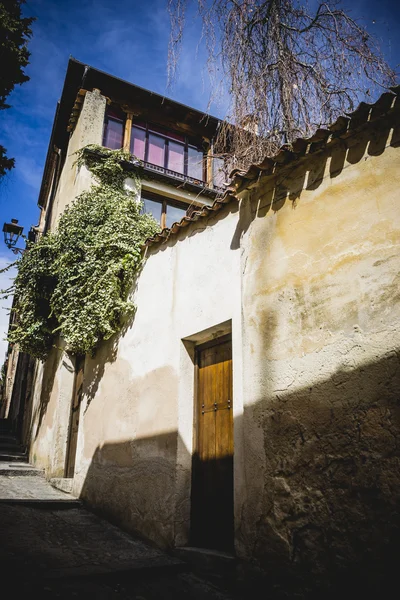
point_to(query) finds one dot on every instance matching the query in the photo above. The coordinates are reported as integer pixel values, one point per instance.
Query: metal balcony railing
(180, 176)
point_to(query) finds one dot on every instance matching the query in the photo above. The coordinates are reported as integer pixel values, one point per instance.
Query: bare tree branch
(288, 71)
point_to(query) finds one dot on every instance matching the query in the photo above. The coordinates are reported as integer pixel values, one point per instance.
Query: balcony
(163, 154)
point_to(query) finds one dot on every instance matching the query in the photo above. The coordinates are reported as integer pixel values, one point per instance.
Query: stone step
(9, 442)
(46, 504)
(5, 426)
(19, 469)
(62, 483)
(5, 445)
(13, 457)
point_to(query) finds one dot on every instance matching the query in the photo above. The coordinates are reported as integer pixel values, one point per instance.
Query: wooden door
(74, 424)
(212, 484)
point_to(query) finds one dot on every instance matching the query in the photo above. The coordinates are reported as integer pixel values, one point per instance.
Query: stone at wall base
(62, 483)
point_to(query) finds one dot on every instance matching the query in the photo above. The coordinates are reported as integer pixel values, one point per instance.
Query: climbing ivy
(75, 281)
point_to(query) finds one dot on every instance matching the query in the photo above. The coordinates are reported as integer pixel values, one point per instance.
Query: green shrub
(76, 280)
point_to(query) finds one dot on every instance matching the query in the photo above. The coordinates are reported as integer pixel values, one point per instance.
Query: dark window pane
(174, 214)
(195, 163)
(176, 153)
(138, 140)
(156, 150)
(114, 132)
(152, 207)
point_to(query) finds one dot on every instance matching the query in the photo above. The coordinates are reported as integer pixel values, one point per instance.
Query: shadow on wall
(132, 483)
(329, 512)
(330, 496)
(94, 367)
(322, 161)
(106, 352)
(50, 368)
(19, 393)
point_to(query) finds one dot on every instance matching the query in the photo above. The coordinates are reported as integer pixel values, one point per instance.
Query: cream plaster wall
(53, 382)
(306, 276)
(88, 130)
(135, 444)
(9, 381)
(321, 339)
(51, 409)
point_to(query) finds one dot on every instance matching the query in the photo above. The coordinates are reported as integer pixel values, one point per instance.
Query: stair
(10, 453)
(5, 426)
(19, 469)
(13, 456)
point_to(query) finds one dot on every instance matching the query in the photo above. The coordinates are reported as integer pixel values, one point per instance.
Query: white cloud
(29, 171)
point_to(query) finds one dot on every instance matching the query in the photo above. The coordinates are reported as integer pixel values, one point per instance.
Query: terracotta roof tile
(342, 127)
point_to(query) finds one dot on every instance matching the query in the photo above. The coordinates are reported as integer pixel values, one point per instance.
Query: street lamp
(12, 232)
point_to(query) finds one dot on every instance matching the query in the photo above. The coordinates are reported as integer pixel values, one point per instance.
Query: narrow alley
(52, 547)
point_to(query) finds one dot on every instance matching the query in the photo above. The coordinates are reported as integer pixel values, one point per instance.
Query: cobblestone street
(52, 547)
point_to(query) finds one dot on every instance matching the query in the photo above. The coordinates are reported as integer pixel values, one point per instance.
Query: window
(165, 211)
(156, 150)
(174, 214)
(152, 207)
(138, 142)
(166, 149)
(195, 163)
(176, 156)
(113, 135)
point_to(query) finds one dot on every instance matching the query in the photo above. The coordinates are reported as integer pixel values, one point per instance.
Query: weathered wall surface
(306, 277)
(50, 412)
(9, 381)
(88, 130)
(136, 419)
(321, 330)
(136, 429)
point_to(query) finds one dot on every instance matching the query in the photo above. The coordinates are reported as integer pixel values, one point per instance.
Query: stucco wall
(135, 441)
(321, 333)
(50, 411)
(305, 274)
(9, 381)
(88, 130)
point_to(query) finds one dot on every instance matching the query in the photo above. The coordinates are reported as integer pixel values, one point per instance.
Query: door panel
(212, 485)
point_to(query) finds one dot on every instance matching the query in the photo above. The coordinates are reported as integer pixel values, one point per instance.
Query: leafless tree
(288, 69)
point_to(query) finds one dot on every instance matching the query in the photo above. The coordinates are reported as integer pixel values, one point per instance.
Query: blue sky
(129, 39)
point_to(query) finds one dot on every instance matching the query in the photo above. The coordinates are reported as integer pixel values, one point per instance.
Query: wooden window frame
(107, 118)
(165, 201)
(128, 121)
(186, 144)
(214, 342)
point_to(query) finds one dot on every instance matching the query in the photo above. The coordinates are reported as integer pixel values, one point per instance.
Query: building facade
(252, 403)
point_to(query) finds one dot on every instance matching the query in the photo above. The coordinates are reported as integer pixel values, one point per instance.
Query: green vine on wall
(75, 281)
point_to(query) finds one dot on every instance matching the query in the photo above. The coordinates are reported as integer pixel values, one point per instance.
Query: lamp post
(12, 232)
